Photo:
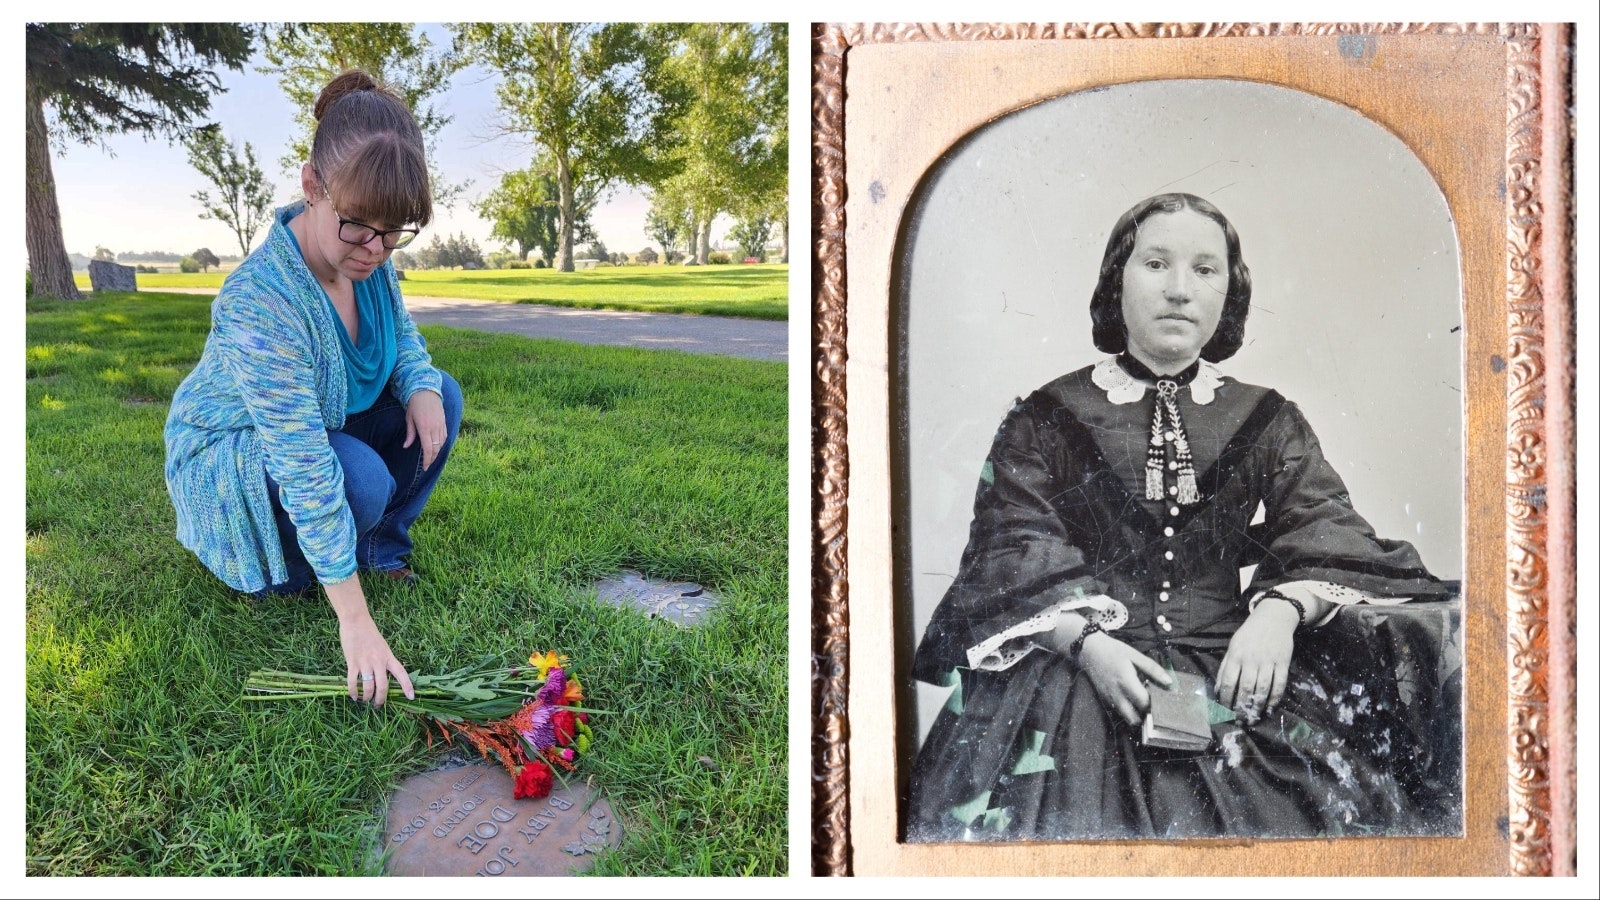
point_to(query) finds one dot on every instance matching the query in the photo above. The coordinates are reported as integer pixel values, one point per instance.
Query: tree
(448, 252)
(100, 78)
(647, 256)
(734, 144)
(667, 223)
(244, 195)
(306, 56)
(767, 176)
(464, 252)
(779, 209)
(188, 265)
(593, 98)
(500, 259)
(752, 234)
(205, 258)
(525, 210)
(770, 204)
(427, 256)
(103, 254)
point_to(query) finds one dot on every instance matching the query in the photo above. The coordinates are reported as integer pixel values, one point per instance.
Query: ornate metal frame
(1540, 502)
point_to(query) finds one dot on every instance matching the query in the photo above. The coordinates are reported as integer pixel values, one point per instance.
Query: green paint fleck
(1030, 760)
(1299, 733)
(955, 704)
(996, 820)
(966, 812)
(1216, 713)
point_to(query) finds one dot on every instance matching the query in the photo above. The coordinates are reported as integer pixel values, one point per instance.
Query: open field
(574, 462)
(756, 291)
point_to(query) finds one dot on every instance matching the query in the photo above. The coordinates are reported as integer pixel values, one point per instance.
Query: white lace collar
(1120, 387)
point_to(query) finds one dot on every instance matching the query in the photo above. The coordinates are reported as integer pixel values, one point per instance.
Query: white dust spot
(1232, 753)
(1342, 769)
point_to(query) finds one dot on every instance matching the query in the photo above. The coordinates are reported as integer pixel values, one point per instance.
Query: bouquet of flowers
(529, 718)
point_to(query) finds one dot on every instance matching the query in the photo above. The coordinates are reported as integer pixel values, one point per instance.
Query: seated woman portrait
(1101, 574)
(306, 442)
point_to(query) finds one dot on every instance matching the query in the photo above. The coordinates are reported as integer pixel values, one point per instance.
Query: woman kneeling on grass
(306, 441)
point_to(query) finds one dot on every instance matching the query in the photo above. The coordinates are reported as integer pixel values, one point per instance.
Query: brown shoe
(403, 576)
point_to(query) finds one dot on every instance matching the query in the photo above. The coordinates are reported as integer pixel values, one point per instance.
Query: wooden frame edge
(1540, 441)
(830, 633)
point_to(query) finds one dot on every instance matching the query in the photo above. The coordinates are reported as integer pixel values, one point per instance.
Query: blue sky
(140, 196)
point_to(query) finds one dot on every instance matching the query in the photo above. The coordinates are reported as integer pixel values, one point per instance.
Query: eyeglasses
(353, 232)
(359, 233)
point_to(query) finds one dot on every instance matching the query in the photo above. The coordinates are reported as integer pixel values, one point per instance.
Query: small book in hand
(1179, 716)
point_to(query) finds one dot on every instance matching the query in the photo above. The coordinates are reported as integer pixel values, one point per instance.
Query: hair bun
(349, 81)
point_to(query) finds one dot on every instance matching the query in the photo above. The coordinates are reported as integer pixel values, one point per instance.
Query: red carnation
(583, 717)
(533, 782)
(566, 725)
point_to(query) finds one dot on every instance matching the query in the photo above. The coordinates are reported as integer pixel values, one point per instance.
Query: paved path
(751, 338)
(722, 335)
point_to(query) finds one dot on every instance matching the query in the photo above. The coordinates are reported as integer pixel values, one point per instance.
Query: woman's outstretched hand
(367, 658)
(1115, 670)
(425, 422)
(1255, 671)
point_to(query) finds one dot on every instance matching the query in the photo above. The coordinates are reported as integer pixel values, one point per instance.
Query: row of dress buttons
(1167, 531)
(1165, 595)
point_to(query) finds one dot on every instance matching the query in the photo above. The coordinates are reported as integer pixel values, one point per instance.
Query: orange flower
(573, 695)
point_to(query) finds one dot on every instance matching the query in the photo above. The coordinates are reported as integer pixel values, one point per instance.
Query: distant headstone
(400, 274)
(463, 821)
(681, 602)
(109, 276)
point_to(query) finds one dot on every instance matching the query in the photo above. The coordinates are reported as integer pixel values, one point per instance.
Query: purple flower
(555, 685)
(540, 732)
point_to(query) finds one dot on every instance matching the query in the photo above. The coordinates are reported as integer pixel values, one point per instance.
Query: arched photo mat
(1356, 308)
(1467, 100)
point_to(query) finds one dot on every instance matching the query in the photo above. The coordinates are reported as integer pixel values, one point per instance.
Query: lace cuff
(1006, 649)
(1336, 594)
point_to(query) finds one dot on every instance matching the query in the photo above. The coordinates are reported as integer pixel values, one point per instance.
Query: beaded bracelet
(1298, 606)
(1077, 644)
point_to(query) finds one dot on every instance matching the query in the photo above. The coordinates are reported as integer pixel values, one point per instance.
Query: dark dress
(1029, 752)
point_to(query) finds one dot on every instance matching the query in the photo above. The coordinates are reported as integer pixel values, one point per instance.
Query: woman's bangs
(385, 183)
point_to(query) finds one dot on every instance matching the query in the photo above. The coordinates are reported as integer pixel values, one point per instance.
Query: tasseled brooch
(1116, 377)
(1167, 423)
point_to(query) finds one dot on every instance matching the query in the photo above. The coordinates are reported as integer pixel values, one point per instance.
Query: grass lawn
(573, 462)
(752, 292)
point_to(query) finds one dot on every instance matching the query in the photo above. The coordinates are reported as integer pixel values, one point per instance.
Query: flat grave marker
(680, 602)
(463, 821)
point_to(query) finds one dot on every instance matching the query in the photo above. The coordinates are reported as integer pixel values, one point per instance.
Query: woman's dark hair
(368, 152)
(1105, 307)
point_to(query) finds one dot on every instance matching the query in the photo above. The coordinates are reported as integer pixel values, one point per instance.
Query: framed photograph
(1188, 474)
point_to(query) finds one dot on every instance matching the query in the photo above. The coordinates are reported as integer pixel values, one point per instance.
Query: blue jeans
(384, 484)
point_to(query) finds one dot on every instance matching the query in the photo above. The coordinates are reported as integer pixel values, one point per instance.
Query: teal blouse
(368, 360)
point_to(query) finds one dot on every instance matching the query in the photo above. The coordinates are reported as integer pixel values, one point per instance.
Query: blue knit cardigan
(266, 392)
